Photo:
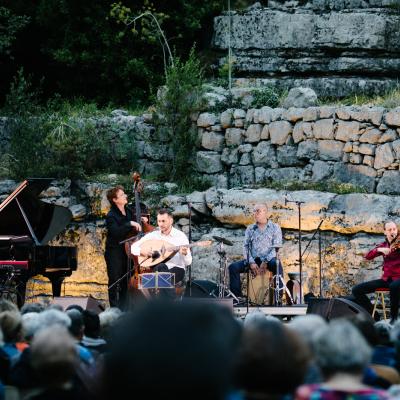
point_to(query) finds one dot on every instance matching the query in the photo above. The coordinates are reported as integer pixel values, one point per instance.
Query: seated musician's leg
(394, 299)
(272, 266)
(235, 269)
(361, 290)
(161, 268)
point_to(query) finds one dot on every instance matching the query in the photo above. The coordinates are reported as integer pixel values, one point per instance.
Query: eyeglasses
(258, 210)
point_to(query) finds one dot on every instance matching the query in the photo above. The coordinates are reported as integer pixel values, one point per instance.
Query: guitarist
(176, 264)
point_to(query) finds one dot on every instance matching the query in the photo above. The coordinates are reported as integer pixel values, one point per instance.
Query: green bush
(267, 96)
(181, 97)
(59, 143)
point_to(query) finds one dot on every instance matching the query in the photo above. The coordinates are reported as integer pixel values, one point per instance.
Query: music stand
(157, 280)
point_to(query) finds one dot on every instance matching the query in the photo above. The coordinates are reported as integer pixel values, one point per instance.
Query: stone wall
(238, 151)
(357, 145)
(334, 47)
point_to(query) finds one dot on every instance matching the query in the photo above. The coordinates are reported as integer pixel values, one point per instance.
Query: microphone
(286, 199)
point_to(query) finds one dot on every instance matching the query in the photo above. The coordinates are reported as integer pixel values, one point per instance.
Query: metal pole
(320, 262)
(190, 241)
(300, 255)
(229, 48)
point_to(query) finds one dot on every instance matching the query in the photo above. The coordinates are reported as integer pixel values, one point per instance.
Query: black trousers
(360, 291)
(117, 266)
(179, 276)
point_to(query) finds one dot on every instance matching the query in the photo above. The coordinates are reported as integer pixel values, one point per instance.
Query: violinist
(390, 251)
(120, 222)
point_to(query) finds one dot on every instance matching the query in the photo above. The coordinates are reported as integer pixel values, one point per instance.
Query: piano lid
(45, 220)
(15, 239)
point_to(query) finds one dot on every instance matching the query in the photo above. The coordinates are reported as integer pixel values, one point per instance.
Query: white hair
(307, 326)
(53, 317)
(108, 318)
(253, 318)
(340, 346)
(31, 324)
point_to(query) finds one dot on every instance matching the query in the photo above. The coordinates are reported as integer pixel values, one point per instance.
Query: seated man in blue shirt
(261, 242)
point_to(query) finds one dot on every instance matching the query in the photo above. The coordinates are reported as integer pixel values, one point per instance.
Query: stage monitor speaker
(201, 288)
(206, 292)
(87, 303)
(336, 308)
(224, 302)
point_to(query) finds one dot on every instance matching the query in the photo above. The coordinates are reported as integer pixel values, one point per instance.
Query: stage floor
(283, 311)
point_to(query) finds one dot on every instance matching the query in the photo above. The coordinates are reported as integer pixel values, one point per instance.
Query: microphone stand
(126, 274)
(249, 250)
(190, 241)
(299, 203)
(319, 253)
(189, 267)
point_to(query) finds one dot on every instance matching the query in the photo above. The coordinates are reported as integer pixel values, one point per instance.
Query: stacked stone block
(357, 145)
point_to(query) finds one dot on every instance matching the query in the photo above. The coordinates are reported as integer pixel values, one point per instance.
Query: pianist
(119, 223)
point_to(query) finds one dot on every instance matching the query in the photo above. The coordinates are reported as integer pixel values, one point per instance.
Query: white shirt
(175, 238)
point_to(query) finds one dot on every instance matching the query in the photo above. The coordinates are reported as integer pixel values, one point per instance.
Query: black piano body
(27, 224)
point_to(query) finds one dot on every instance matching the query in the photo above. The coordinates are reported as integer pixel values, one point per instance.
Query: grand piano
(27, 224)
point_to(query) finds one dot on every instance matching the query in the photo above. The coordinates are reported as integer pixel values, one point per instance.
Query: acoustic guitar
(163, 251)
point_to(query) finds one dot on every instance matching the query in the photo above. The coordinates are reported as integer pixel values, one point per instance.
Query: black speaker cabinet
(335, 308)
(203, 291)
(87, 303)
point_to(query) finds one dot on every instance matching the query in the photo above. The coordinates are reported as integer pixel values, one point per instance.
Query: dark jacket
(118, 226)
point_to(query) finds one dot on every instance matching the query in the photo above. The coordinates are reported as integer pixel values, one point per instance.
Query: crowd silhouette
(192, 350)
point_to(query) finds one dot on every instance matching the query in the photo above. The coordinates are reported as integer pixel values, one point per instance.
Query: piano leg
(56, 282)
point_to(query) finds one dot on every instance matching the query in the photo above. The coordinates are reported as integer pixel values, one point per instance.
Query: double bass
(146, 228)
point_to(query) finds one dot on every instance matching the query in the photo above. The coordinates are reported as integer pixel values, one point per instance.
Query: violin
(395, 244)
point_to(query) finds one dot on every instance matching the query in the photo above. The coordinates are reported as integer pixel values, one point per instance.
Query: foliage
(50, 143)
(81, 50)
(189, 184)
(25, 150)
(181, 97)
(230, 102)
(10, 24)
(389, 99)
(150, 26)
(266, 96)
(324, 186)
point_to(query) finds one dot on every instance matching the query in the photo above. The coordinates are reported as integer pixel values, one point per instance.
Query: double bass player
(120, 222)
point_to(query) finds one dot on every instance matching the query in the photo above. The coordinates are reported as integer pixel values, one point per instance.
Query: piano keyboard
(12, 264)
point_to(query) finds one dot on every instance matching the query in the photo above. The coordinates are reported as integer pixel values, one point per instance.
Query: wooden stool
(380, 295)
